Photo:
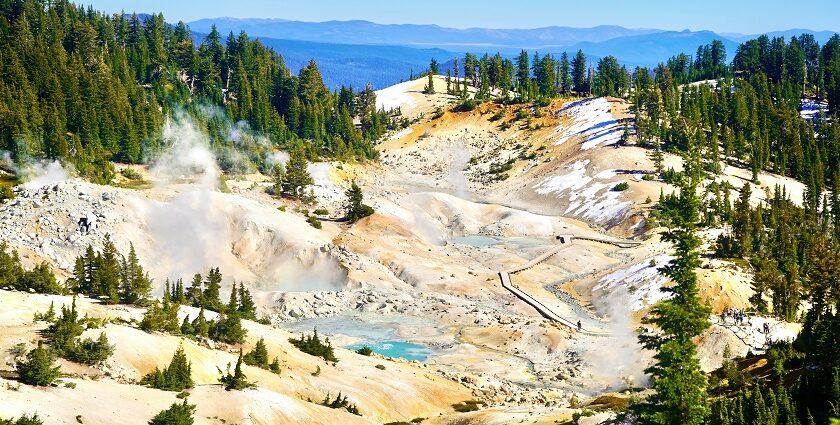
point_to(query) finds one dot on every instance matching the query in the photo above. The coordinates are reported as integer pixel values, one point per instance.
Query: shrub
(321, 211)
(467, 406)
(313, 221)
(312, 345)
(341, 403)
(498, 115)
(466, 105)
(380, 366)
(6, 192)
(621, 187)
(91, 352)
(131, 174)
(177, 414)
(365, 351)
(648, 177)
(23, 420)
(37, 369)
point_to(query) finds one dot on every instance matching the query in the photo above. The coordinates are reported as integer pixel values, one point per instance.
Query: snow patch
(642, 282)
(592, 120)
(402, 133)
(810, 109)
(587, 197)
(396, 96)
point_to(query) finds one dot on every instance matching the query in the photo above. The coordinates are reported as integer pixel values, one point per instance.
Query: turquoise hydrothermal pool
(376, 331)
(401, 349)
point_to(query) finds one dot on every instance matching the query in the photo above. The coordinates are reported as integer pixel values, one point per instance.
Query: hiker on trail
(579, 326)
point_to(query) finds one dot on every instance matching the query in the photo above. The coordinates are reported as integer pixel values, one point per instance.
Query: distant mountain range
(359, 52)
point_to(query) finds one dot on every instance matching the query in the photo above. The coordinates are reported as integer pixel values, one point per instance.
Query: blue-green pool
(400, 349)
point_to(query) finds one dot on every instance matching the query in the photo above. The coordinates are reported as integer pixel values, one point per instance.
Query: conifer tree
(356, 210)
(297, 177)
(136, 284)
(258, 356)
(247, 308)
(200, 327)
(62, 333)
(175, 377)
(108, 272)
(579, 83)
(228, 329)
(680, 386)
(37, 369)
(212, 285)
(236, 381)
(429, 88)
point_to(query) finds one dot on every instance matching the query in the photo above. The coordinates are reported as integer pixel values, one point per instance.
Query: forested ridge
(89, 88)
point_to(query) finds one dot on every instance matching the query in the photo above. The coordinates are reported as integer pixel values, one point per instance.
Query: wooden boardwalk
(544, 310)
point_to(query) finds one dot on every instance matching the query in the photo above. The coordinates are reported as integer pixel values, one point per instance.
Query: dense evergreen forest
(89, 88)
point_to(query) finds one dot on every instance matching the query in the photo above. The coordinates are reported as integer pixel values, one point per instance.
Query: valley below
(458, 197)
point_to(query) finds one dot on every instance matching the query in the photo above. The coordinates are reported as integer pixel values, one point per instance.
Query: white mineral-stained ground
(458, 197)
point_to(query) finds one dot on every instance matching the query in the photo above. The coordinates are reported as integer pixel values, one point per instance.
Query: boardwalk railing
(544, 310)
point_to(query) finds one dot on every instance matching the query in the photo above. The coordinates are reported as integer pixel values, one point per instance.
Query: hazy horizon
(721, 16)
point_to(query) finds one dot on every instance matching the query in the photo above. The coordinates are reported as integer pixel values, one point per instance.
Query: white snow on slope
(642, 281)
(395, 96)
(810, 109)
(592, 120)
(588, 197)
(400, 134)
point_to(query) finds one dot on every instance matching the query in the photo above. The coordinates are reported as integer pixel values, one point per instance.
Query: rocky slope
(458, 197)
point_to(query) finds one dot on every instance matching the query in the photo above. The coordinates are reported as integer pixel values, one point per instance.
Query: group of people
(738, 316)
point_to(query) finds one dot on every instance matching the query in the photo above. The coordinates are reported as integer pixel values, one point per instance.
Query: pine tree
(247, 308)
(278, 174)
(297, 177)
(258, 356)
(175, 377)
(356, 210)
(228, 329)
(136, 284)
(108, 272)
(233, 303)
(200, 327)
(579, 83)
(37, 369)
(429, 88)
(62, 333)
(523, 74)
(236, 381)
(680, 386)
(212, 286)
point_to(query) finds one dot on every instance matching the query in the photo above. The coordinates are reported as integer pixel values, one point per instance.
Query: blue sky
(742, 16)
